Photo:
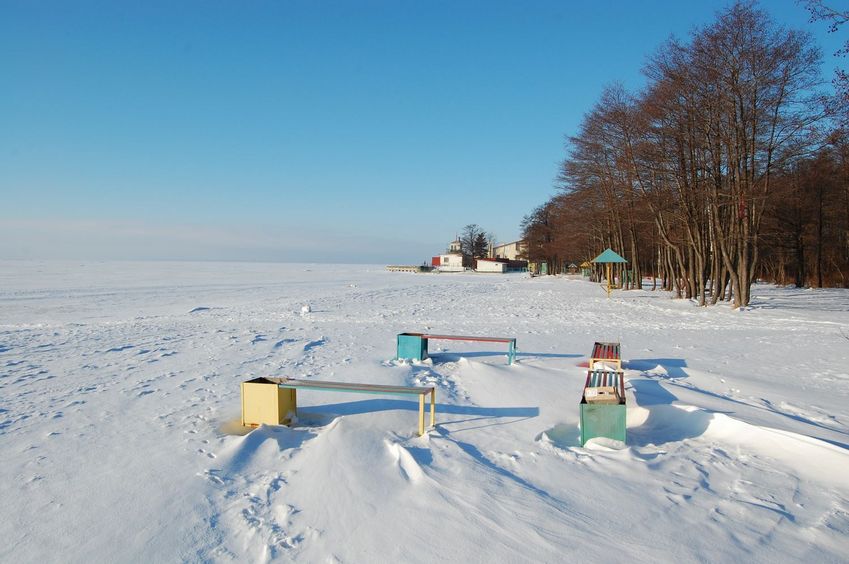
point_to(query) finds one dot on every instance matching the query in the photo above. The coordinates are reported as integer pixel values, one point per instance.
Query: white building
(450, 262)
(490, 265)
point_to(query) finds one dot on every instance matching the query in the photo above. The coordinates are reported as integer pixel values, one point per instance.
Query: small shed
(491, 265)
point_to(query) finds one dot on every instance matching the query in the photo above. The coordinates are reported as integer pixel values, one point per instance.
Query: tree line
(727, 168)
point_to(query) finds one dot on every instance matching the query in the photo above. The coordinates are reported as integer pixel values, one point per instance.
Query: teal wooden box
(411, 346)
(602, 420)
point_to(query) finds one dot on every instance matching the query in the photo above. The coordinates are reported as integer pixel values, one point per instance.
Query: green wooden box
(600, 420)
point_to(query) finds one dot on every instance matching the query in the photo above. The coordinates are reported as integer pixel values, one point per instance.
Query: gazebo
(608, 257)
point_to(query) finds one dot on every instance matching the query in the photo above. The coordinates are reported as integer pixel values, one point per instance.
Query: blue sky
(303, 131)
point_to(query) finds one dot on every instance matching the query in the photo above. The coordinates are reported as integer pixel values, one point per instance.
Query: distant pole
(608, 280)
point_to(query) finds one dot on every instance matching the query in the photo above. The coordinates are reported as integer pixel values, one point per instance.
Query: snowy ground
(119, 386)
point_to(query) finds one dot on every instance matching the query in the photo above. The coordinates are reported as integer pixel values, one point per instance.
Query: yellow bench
(262, 403)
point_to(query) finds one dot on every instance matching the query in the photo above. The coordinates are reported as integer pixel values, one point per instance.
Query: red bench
(606, 353)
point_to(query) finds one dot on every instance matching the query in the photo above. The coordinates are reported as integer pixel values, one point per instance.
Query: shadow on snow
(372, 405)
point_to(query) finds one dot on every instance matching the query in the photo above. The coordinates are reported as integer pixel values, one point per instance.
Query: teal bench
(414, 346)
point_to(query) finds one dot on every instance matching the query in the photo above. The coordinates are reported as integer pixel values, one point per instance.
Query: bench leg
(512, 352)
(433, 408)
(421, 414)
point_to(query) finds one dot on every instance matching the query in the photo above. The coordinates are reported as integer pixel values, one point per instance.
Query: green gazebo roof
(609, 256)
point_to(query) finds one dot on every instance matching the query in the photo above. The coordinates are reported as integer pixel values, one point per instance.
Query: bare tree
(474, 242)
(835, 18)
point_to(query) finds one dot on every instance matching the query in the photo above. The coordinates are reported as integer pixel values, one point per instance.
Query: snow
(119, 407)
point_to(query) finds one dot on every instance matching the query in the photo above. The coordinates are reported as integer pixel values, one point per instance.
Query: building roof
(508, 244)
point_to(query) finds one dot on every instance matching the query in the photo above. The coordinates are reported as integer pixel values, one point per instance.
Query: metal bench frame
(295, 384)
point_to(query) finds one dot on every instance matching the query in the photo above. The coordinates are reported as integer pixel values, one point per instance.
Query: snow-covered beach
(119, 393)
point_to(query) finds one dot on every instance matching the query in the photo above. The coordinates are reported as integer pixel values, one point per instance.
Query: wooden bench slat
(467, 338)
(353, 387)
(606, 351)
(600, 378)
(605, 378)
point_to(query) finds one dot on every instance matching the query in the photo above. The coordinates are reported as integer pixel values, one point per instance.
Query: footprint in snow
(313, 344)
(119, 349)
(212, 476)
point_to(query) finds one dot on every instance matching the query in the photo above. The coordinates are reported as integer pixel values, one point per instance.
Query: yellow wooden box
(602, 394)
(264, 402)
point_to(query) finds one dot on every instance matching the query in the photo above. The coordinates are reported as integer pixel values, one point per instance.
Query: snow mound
(407, 465)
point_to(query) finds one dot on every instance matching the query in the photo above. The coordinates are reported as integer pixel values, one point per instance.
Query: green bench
(602, 406)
